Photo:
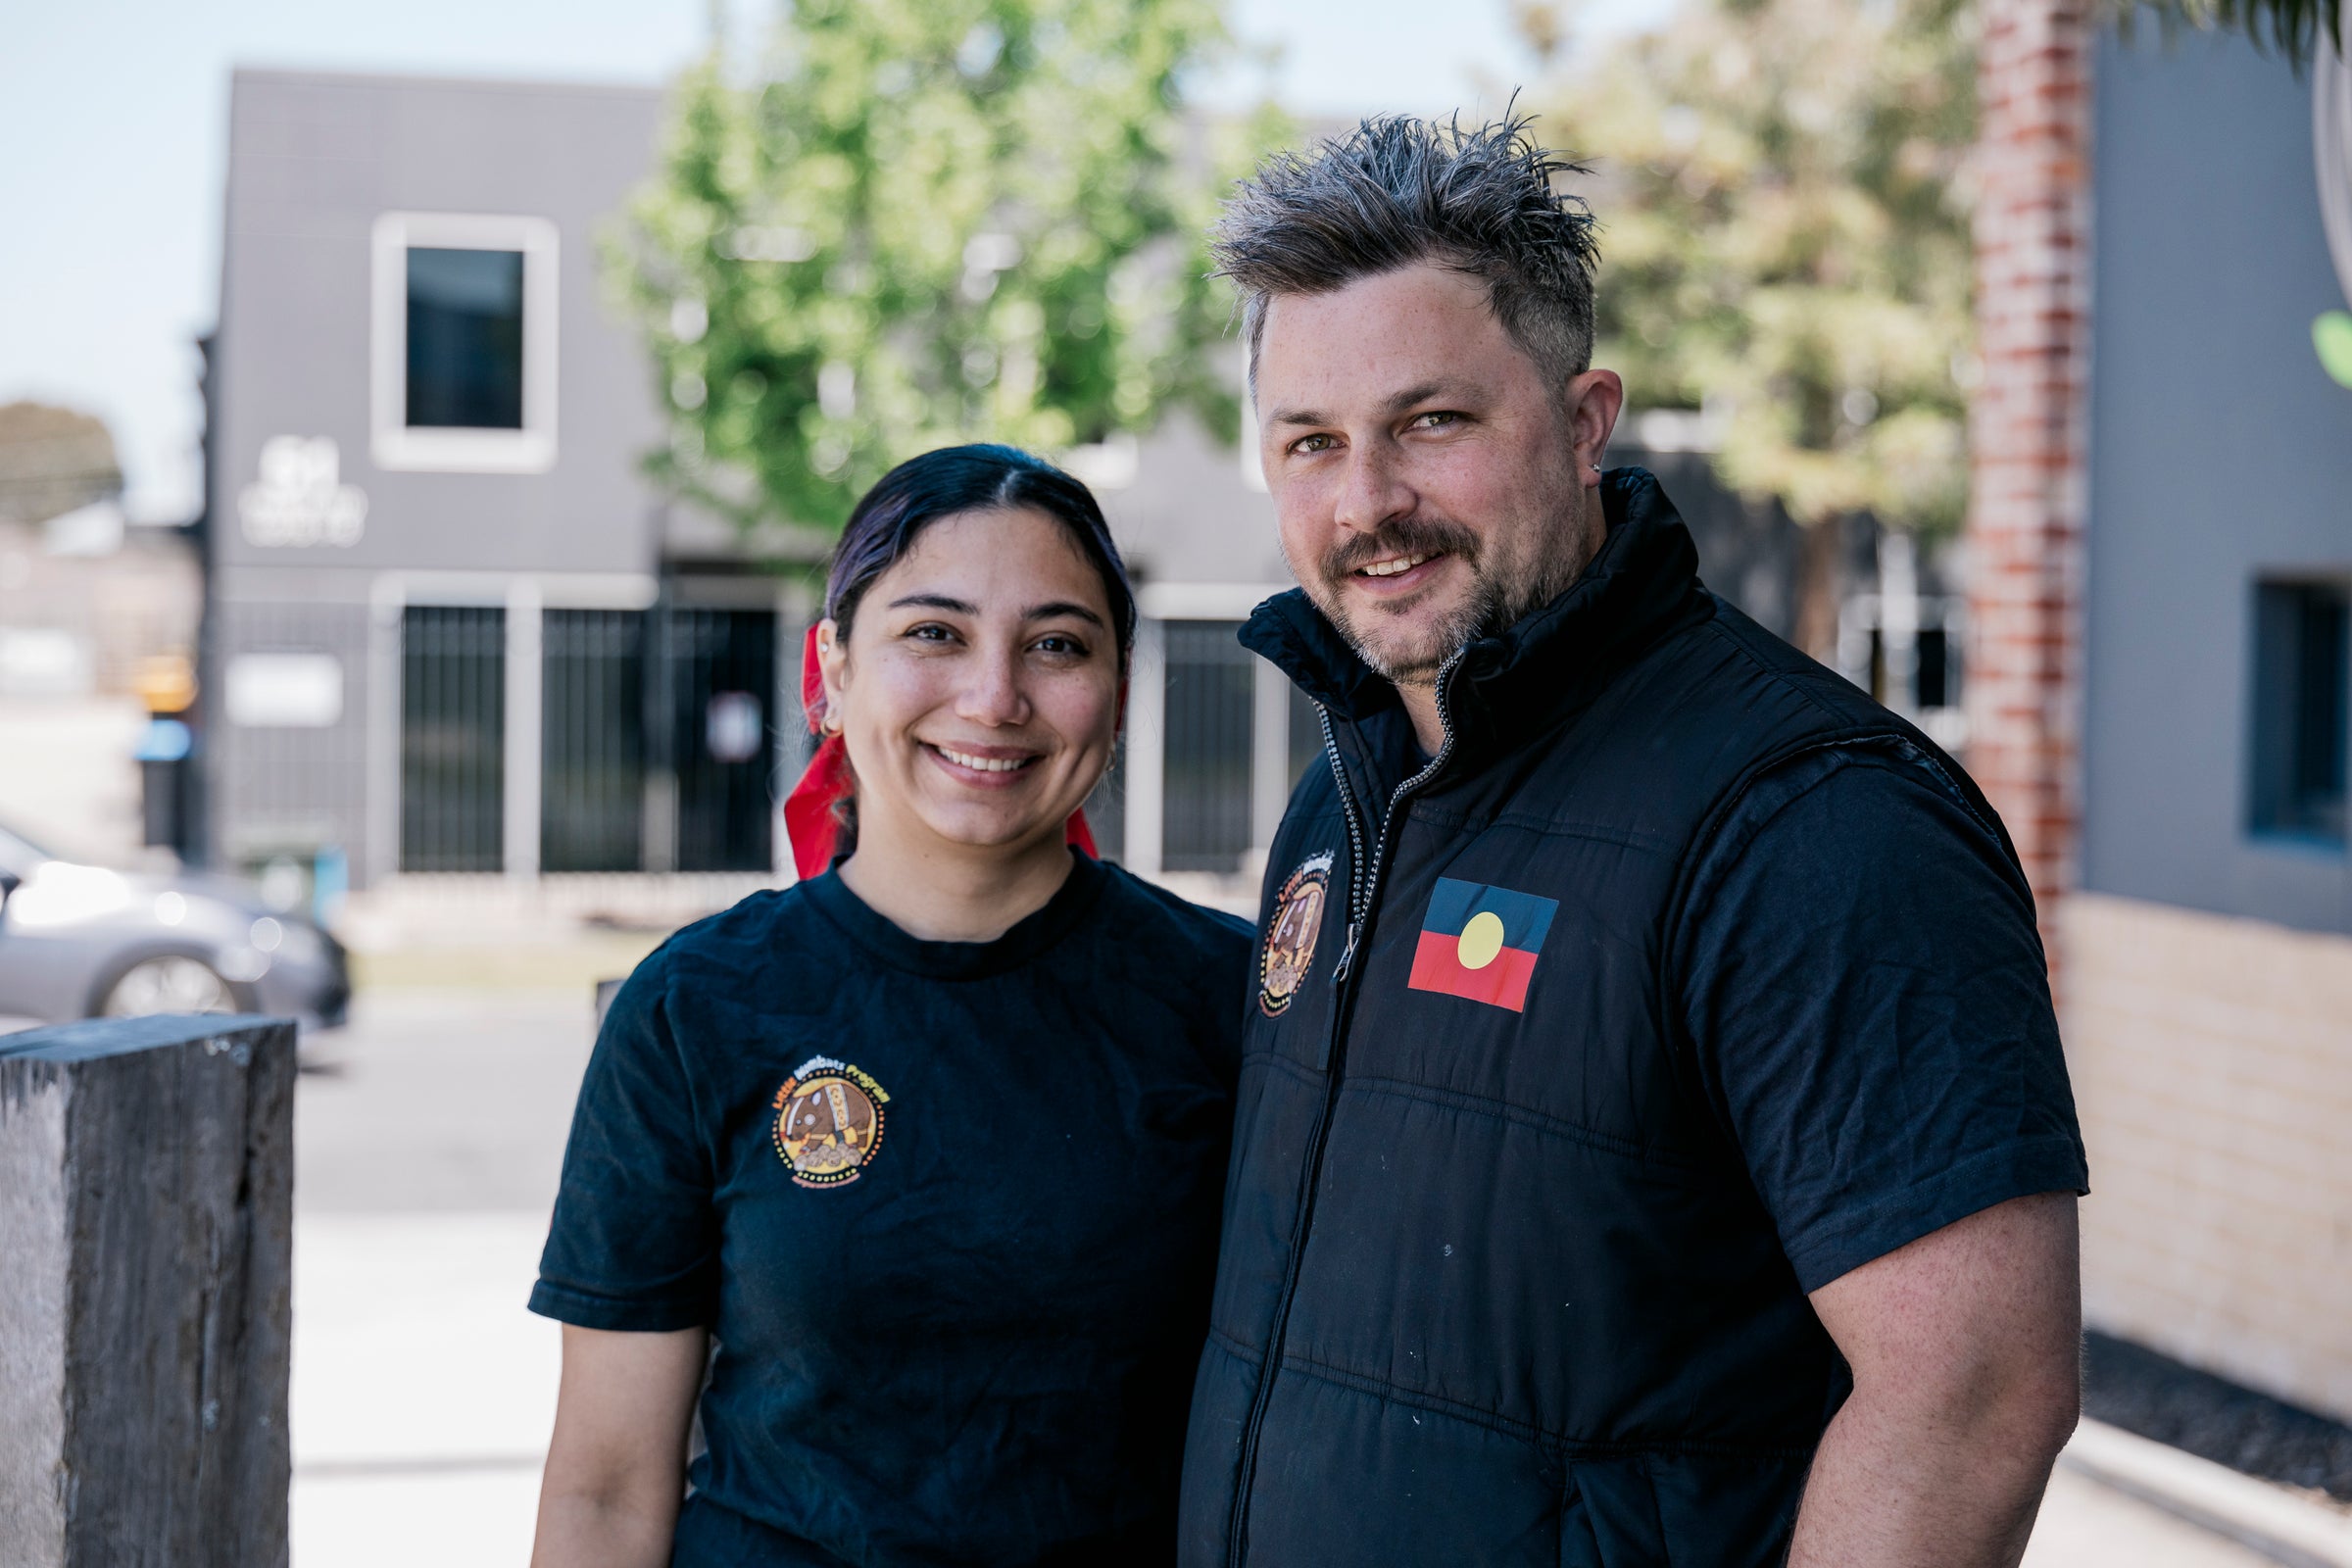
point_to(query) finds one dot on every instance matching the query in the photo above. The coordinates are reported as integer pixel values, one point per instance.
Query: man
(1665, 1155)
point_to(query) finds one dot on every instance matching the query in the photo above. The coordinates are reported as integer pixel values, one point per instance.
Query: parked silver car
(83, 941)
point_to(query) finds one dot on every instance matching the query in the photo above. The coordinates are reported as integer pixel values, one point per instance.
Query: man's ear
(1594, 401)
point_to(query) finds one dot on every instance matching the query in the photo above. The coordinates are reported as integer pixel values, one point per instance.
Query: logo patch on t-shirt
(1480, 942)
(828, 1121)
(1291, 934)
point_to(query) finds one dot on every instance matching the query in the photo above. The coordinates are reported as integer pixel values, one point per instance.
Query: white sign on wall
(300, 500)
(285, 691)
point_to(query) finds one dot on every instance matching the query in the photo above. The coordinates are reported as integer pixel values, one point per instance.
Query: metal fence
(453, 716)
(592, 758)
(1212, 682)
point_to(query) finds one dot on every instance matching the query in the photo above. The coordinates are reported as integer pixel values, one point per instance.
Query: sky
(116, 114)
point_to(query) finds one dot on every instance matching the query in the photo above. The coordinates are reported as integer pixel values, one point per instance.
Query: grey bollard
(146, 1248)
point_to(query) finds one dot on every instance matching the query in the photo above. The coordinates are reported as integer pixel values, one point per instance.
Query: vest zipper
(1363, 891)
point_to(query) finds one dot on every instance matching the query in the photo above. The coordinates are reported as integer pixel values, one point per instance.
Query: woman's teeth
(1391, 567)
(984, 764)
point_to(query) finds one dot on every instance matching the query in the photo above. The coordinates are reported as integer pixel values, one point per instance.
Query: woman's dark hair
(982, 477)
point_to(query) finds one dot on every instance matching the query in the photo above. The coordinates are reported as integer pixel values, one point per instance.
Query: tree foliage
(928, 221)
(1786, 240)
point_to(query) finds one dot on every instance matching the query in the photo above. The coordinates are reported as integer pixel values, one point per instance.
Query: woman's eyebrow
(1062, 606)
(955, 606)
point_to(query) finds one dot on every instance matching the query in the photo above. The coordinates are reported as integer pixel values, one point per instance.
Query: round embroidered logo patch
(1291, 934)
(828, 1121)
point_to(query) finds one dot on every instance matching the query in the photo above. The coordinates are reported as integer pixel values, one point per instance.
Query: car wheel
(171, 983)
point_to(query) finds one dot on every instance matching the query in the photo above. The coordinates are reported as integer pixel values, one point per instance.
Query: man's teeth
(983, 764)
(1391, 568)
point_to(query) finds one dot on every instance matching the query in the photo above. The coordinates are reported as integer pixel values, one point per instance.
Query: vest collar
(1519, 683)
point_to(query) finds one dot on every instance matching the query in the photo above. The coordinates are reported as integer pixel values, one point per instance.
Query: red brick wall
(2026, 435)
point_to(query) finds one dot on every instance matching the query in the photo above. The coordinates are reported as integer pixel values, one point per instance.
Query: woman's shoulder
(772, 928)
(1156, 916)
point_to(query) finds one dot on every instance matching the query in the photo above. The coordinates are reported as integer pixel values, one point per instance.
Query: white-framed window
(462, 343)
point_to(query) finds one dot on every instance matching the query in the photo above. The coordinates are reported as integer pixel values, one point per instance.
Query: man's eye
(1436, 418)
(1312, 443)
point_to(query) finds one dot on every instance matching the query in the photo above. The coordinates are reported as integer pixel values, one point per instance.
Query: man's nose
(991, 691)
(1371, 490)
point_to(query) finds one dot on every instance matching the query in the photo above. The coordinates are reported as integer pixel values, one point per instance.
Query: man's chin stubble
(1418, 665)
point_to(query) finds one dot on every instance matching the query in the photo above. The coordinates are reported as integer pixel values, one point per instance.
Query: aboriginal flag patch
(1480, 942)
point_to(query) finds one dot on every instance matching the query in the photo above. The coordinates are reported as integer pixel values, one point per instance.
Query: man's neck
(1420, 699)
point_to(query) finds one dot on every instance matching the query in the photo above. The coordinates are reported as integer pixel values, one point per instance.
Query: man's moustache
(1412, 536)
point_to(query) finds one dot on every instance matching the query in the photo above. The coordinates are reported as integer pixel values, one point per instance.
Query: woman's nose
(991, 691)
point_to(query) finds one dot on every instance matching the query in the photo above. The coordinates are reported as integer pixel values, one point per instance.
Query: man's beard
(1488, 608)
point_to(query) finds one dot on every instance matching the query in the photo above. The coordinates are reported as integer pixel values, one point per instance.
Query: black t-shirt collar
(962, 960)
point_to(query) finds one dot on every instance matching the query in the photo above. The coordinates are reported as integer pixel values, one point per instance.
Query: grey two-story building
(454, 631)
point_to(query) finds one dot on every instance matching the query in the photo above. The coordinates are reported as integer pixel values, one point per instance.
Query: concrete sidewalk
(423, 1393)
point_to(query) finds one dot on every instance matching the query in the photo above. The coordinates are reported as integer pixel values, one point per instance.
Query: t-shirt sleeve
(1869, 1009)
(634, 1244)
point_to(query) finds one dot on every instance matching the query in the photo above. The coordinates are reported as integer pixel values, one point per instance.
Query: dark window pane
(452, 725)
(1205, 803)
(465, 339)
(722, 686)
(592, 777)
(2302, 679)
(1934, 669)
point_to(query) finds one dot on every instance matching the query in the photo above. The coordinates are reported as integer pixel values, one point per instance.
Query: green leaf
(2332, 337)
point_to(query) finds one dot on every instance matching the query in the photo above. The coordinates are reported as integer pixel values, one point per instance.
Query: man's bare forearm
(1898, 1482)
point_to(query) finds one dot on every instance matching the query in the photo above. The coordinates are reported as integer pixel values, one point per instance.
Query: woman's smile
(982, 766)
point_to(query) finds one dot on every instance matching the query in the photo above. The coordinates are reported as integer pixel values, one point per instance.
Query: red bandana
(813, 812)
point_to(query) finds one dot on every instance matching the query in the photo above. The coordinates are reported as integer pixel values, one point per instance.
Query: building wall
(2212, 1060)
(2219, 454)
(314, 161)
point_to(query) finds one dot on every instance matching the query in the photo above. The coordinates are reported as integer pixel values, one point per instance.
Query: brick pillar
(2025, 431)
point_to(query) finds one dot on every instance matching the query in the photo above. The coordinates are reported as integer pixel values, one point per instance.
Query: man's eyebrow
(955, 607)
(1394, 404)
(1062, 606)
(1427, 392)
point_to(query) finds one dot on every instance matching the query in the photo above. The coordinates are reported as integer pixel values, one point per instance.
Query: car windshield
(19, 855)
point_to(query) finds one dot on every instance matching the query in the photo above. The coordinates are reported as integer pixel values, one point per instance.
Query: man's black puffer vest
(1496, 1286)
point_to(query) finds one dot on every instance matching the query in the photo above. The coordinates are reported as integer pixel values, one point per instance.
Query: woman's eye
(1061, 643)
(929, 631)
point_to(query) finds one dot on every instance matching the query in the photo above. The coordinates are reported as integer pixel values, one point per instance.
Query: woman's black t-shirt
(949, 1209)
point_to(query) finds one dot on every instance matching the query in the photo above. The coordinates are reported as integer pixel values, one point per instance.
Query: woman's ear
(833, 658)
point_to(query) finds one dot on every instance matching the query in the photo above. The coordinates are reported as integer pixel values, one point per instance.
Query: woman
(923, 1156)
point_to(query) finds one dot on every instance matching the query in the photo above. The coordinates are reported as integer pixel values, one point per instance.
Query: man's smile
(1392, 565)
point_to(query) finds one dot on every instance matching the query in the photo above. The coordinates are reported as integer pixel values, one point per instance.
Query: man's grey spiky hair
(1397, 191)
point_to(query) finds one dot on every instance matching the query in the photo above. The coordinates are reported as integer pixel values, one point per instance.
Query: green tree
(1785, 245)
(927, 221)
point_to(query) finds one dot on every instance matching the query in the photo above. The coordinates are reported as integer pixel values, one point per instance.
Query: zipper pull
(1338, 973)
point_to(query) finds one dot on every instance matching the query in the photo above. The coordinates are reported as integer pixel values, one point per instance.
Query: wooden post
(146, 1245)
